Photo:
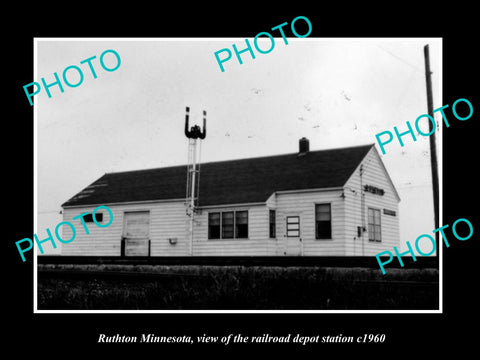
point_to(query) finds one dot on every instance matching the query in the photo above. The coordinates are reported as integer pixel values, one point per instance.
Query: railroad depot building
(335, 202)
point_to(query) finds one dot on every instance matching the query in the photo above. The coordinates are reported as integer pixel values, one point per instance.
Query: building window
(228, 225)
(89, 217)
(272, 224)
(323, 221)
(374, 227)
(293, 226)
(214, 225)
(241, 224)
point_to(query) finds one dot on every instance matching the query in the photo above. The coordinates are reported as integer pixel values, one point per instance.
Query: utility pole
(362, 210)
(433, 146)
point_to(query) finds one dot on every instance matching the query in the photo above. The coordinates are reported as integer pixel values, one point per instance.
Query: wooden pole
(433, 146)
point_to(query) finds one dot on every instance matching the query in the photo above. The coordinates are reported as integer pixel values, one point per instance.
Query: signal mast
(193, 174)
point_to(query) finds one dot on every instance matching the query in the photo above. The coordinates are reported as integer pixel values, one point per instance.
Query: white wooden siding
(272, 202)
(167, 220)
(373, 174)
(303, 205)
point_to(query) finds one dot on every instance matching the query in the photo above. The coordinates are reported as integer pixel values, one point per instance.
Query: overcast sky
(336, 92)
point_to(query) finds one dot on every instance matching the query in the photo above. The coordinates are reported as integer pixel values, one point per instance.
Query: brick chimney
(303, 146)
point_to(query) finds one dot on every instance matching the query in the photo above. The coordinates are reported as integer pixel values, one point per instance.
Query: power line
(401, 59)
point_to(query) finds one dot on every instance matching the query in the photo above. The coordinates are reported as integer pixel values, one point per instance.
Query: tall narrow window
(241, 224)
(214, 225)
(323, 221)
(227, 225)
(272, 224)
(374, 226)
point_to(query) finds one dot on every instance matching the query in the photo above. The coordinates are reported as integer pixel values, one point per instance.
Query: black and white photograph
(270, 183)
(272, 159)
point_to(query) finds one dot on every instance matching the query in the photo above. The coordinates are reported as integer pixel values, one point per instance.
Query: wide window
(323, 221)
(374, 226)
(89, 217)
(228, 225)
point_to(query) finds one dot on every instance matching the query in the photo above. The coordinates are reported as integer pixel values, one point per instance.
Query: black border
(411, 334)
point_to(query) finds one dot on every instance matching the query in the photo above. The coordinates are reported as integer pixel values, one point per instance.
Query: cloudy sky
(336, 92)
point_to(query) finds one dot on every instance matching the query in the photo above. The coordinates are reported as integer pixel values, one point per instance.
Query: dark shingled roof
(228, 182)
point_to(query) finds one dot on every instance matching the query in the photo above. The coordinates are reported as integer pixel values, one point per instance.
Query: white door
(136, 232)
(293, 239)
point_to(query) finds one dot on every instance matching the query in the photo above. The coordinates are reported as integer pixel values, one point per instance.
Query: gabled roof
(228, 182)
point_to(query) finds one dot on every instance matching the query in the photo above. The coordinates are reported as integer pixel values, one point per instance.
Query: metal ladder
(195, 136)
(193, 178)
